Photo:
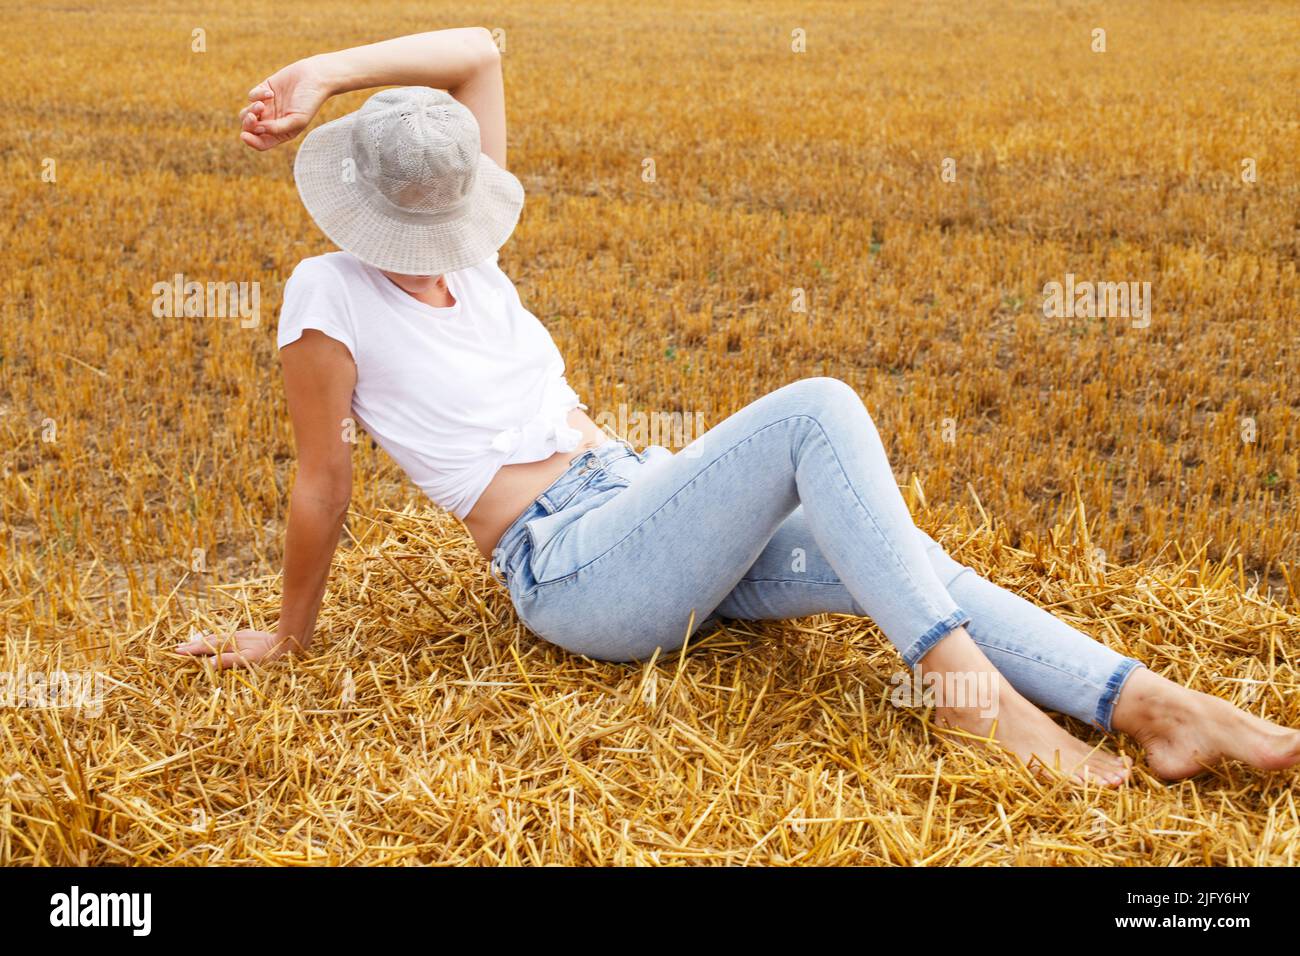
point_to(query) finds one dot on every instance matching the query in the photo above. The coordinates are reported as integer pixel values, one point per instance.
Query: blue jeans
(787, 508)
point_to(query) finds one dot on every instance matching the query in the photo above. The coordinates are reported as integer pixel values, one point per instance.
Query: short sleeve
(315, 298)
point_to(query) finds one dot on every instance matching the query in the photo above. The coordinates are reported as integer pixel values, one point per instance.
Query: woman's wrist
(329, 70)
(287, 641)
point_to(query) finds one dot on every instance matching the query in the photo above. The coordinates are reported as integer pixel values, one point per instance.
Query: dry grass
(432, 728)
(130, 442)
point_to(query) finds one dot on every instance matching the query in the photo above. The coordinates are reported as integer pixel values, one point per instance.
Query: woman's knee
(824, 389)
(824, 399)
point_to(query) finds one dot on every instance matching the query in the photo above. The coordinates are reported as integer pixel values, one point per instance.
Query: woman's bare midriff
(515, 487)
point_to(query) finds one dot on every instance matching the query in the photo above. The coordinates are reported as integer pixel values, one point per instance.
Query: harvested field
(1138, 477)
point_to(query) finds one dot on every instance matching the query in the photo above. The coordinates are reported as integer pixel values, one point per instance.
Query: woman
(787, 508)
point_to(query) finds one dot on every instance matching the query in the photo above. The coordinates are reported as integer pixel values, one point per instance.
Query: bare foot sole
(1042, 746)
(1007, 719)
(1185, 732)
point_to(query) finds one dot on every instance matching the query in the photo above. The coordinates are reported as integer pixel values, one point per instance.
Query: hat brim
(409, 245)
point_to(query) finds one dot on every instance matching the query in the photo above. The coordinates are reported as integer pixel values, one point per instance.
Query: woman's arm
(465, 62)
(319, 378)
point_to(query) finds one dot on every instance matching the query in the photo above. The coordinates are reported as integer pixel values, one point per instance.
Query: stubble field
(885, 206)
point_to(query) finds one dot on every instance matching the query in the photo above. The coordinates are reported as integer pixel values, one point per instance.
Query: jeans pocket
(555, 551)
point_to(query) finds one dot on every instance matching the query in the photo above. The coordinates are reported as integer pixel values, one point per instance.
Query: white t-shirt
(453, 393)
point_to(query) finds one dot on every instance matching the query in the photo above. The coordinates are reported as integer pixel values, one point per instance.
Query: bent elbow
(484, 45)
(334, 496)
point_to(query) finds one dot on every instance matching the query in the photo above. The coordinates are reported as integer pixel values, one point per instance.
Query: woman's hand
(282, 105)
(240, 649)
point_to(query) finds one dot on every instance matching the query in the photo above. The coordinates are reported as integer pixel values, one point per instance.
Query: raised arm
(464, 61)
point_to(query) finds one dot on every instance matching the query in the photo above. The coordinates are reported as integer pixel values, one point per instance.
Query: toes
(1091, 777)
(1108, 776)
(1119, 769)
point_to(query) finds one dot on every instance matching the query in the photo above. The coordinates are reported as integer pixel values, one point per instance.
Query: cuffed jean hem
(1106, 705)
(934, 635)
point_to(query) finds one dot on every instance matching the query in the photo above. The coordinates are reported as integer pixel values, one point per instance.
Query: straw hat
(403, 184)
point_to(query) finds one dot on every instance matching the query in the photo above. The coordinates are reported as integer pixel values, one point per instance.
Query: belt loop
(631, 449)
(499, 568)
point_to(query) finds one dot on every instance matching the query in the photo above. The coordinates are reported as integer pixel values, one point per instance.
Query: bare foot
(1185, 731)
(1039, 742)
(1010, 720)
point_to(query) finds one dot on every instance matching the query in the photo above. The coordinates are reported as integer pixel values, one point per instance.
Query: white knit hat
(403, 184)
